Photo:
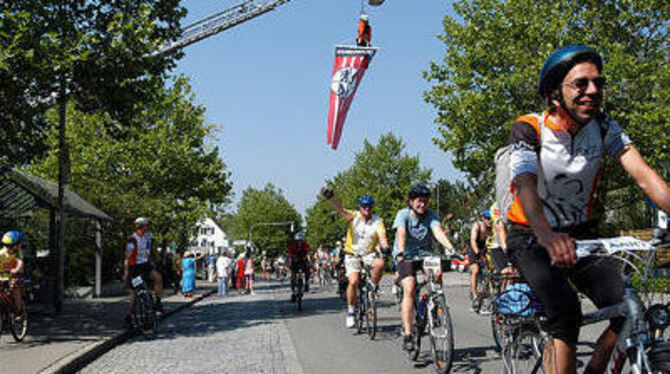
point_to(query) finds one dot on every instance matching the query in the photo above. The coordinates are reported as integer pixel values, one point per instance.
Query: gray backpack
(503, 180)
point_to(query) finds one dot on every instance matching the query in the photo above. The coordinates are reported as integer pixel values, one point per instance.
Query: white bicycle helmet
(141, 221)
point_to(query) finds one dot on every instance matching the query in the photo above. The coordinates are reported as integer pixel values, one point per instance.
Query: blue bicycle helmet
(12, 238)
(560, 62)
(486, 213)
(419, 190)
(366, 200)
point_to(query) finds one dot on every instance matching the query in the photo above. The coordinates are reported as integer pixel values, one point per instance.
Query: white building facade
(210, 239)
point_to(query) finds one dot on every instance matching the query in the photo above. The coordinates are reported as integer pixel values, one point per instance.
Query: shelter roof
(21, 193)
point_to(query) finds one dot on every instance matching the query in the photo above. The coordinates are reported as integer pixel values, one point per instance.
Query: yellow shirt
(493, 241)
(8, 262)
(362, 237)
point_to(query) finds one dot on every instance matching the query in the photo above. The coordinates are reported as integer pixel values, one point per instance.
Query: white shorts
(353, 265)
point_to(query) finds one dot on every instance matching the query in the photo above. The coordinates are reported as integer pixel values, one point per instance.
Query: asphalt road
(324, 345)
(264, 333)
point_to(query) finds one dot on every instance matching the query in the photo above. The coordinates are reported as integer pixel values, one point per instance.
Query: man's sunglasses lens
(583, 83)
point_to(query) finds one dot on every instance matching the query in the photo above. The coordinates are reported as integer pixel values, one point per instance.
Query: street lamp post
(251, 228)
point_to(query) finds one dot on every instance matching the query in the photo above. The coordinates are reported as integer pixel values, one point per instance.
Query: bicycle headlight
(658, 316)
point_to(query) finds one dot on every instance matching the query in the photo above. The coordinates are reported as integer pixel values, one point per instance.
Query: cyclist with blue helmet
(556, 160)
(11, 264)
(364, 231)
(416, 228)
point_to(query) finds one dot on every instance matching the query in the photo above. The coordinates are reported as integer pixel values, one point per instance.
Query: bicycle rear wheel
(441, 333)
(299, 293)
(525, 352)
(149, 320)
(497, 330)
(18, 324)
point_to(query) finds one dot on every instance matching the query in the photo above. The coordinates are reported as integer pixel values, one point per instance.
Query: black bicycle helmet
(419, 190)
(560, 62)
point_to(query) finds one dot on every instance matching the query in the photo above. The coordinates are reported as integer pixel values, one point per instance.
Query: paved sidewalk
(236, 335)
(55, 343)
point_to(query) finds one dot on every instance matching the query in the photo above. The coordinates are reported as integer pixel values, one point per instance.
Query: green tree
(97, 51)
(256, 213)
(166, 171)
(382, 170)
(494, 53)
(460, 205)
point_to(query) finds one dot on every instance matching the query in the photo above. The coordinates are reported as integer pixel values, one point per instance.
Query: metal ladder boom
(218, 22)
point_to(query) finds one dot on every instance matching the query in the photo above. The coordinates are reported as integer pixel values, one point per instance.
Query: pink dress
(249, 268)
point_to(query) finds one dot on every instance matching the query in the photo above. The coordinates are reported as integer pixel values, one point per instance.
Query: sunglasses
(366, 206)
(582, 84)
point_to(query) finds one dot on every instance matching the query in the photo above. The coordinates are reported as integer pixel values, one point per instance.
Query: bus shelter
(22, 193)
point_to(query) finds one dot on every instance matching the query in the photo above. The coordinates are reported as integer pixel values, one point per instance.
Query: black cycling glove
(328, 193)
(386, 250)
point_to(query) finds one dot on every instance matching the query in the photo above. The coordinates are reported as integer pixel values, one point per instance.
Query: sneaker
(350, 320)
(476, 305)
(394, 289)
(407, 342)
(159, 307)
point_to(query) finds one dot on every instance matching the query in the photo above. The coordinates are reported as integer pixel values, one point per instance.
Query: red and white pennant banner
(350, 65)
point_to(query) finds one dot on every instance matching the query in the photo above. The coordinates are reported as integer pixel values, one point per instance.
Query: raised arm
(330, 196)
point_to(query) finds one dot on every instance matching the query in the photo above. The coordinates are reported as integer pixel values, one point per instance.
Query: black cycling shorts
(408, 269)
(142, 269)
(599, 278)
(297, 265)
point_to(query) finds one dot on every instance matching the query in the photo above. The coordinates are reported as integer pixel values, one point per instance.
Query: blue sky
(265, 82)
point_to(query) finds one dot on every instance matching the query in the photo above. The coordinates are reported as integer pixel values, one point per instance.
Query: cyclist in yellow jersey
(364, 231)
(11, 265)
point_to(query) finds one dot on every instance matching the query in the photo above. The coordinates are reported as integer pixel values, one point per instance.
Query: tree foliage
(258, 211)
(100, 50)
(494, 52)
(382, 170)
(165, 171)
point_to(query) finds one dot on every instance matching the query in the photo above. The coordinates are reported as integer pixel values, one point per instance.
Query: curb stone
(77, 360)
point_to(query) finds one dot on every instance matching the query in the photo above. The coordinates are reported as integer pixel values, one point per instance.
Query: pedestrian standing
(223, 270)
(211, 268)
(188, 274)
(249, 273)
(241, 285)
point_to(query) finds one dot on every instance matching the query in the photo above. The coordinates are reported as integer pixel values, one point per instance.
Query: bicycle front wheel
(360, 314)
(18, 324)
(441, 333)
(371, 317)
